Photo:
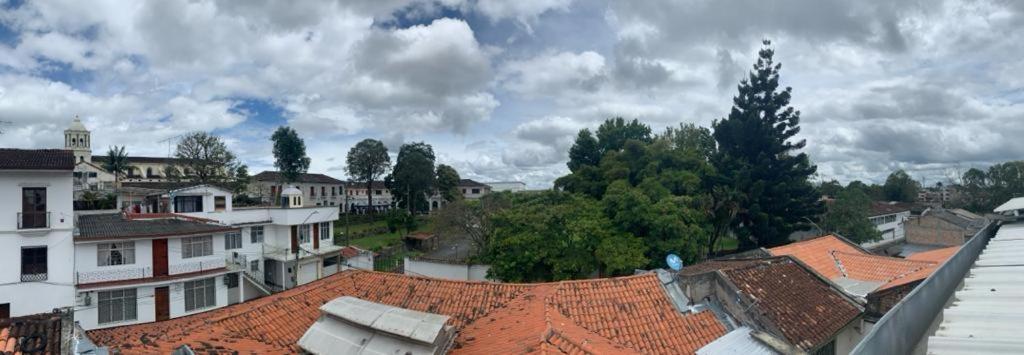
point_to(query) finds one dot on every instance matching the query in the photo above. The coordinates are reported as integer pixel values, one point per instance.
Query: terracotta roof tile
(630, 314)
(805, 308)
(35, 334)
(936, 256)
(36, 159)
(816, 253)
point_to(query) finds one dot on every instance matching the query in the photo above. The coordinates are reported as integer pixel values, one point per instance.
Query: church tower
(76, 138)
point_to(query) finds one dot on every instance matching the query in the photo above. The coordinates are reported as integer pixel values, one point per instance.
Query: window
(378, 192)
(331, 261)
(231, 280)
(312, 191)
(256, 234)
(196, 246)
(476, 191)
(325, 231)
(463, 191)
(304, 233)
(220, 203)
(232, 240)
(33, 264)
(33, 207)
(5, 311)
(334, 191)
(254, 266)
(117, 305)
(184, 204)
(200, 294)
(108, 254)
(323, 190)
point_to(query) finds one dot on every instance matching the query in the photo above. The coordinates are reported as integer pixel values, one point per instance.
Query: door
(163, 303)
(295, 239)
(159, 257)
(316, 236)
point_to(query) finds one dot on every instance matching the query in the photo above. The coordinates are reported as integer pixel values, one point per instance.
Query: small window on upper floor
(220, 203)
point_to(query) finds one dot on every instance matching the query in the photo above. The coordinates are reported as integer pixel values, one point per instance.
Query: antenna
(674, 262)
(168, 140)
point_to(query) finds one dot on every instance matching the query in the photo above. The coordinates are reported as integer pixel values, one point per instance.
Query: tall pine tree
(757, 159)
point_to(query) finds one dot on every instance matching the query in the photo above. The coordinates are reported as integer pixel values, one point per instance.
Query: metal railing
(33, 277)
(33, 220)
(908, 322)
(196, 266)
(118, 274)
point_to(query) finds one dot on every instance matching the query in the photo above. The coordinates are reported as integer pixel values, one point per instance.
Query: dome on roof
(291, 191)
(76, 125)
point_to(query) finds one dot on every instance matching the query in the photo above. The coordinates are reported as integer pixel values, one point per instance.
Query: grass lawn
(727, 243)
(378, 241)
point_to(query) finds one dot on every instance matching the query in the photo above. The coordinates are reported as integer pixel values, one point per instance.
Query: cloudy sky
(499, 88)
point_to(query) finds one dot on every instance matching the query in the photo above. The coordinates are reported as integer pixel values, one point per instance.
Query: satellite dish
(674, 262)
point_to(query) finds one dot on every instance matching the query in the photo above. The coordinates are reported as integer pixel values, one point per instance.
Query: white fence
(446, 270)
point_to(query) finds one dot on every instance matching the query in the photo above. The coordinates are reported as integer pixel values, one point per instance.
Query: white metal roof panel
(984, 316)
(738, 342)
(1011, 205)
(415, 325)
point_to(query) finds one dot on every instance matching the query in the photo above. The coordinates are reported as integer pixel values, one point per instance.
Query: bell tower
(77, 139)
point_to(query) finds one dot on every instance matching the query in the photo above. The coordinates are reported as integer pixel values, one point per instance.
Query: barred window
(192, 247)
(256, 234)
(115, 253)
(232, 241)
(117, 305)
(200, 294)
(325, 231)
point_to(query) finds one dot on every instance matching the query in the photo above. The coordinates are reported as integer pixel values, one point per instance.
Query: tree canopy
(413, 176)
(447, 181)
(757, 157)
(117, 162)
(367, 162)
(984, 190)
(849, 216)
(289, 154)
(206, 157)
(900, 187)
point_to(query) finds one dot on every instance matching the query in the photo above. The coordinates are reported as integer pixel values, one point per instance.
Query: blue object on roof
(674, 262)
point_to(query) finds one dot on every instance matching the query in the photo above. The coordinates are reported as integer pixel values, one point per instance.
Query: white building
(35, 232)
(889, 218)
(513, 186)
(470, 190)
(358, 197)
(197, 254)
(317, 189)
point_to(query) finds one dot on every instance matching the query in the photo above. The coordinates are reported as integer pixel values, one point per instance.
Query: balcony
(33, 220)
(197, 266)
(88, 277)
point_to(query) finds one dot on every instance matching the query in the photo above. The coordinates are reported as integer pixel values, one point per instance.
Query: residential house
(513, 186)
(317, 189)
(781, 299)
(357, 197)
(195, 253)
(944, 227)
(470, 190)
(881, 281)
(624, 315)
(35, 233)
(889, 219)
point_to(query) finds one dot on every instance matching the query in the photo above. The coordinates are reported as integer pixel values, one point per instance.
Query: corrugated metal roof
(985, 316)
(738, 342)
(1011, 205)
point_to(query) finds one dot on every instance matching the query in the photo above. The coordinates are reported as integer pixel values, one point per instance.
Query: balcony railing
(33, 220)
(33, 277)
(87, 277)
(197, 266)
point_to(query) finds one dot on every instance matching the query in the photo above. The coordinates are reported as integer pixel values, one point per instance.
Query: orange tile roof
(34, 334)
(816, 253)
(935, 256)
(833, 257)
(620, 315)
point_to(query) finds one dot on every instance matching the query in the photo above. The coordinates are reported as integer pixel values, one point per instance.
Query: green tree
(172, 173)
(242, 179)
(757, 157)
(447, 182)
(559, 236)
(900, 187)
(666, 224)
(289, 154)
(117, 163)
(367, 162)
(472, 219)
(691, 137)
(613, 134)
(413, 176)
(849, 217)
(584, 152)
(830, 188)
(206, 157)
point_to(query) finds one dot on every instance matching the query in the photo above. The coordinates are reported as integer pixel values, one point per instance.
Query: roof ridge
(839, 263)
(872, 256)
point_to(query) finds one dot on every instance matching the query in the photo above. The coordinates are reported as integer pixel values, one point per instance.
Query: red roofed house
(880, 280)
(618, 315)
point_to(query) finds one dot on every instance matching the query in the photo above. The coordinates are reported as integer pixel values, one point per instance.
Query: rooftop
(118, 225)
(471, 183)
(631, 314)
(308, 178)
(100, 159)
(35, 334)
(36, 159)
(881, 208)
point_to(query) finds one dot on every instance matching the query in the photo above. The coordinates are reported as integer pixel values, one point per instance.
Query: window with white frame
(256, 234)
(117, 305)
(304, 232)
(200, 294)
(325, 231)
(115, 253)
(232, 240)
(254, 266)
(192, 247)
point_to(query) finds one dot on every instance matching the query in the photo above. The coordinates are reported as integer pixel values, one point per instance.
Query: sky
(500, 88)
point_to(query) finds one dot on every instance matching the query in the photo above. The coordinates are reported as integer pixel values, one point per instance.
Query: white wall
(58, 290)
(87, 267)
(439, 270)
(891, 231)
(849, 337)
(87, 316)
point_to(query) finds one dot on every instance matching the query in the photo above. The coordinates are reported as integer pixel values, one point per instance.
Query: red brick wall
(933, 231)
